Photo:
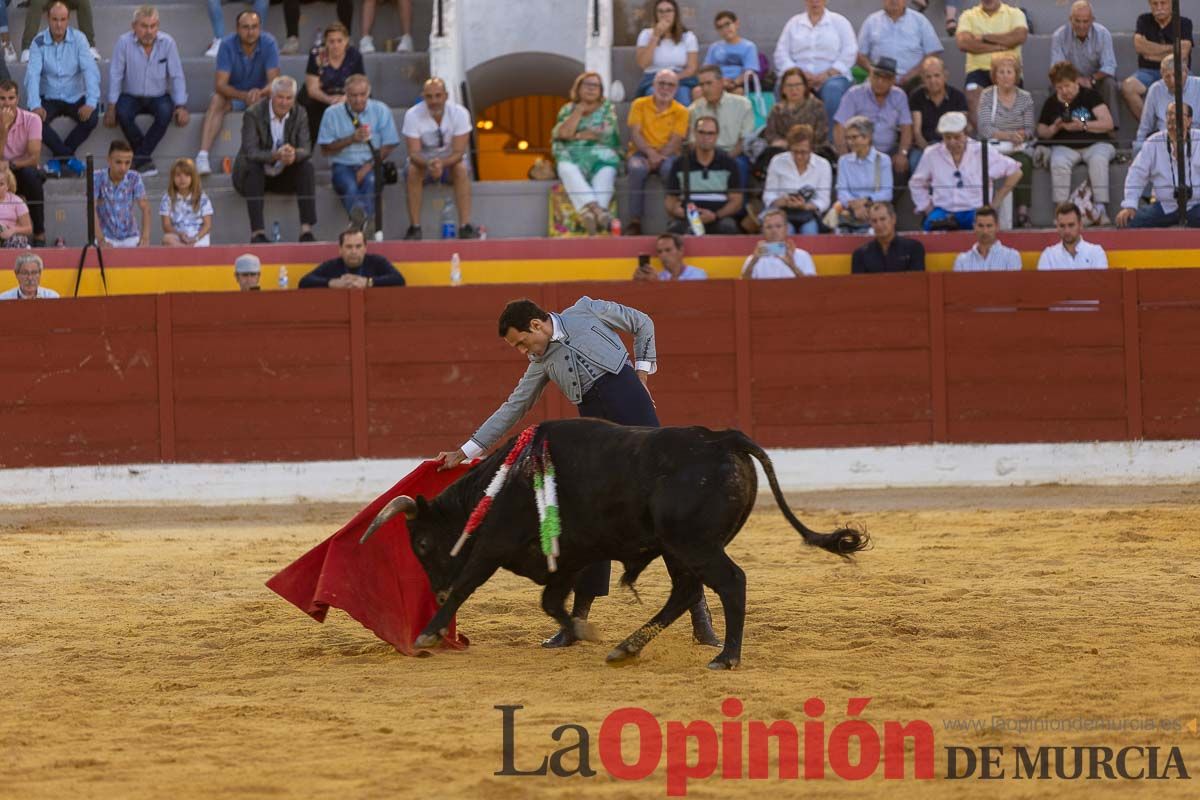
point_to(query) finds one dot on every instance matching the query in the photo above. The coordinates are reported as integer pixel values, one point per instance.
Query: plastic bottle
(283, 276)
(616, 226)
(449, 220)
(455, 271)
(694, 221)
(482, 232)
(276, 234)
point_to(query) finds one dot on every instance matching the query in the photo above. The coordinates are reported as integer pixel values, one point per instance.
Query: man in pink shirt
(948, 184)
(21, 132)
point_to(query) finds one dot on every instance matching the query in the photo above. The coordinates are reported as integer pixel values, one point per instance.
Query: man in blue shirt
(1157, 164)
(247, 62)
(350, 132)
(63, 81)
(146, 77)
(899, 33)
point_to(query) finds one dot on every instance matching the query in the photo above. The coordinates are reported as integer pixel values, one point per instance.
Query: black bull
(625, 494)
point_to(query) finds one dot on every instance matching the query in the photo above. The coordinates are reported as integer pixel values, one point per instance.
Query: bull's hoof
(427, 640)
(724, 662)
(564, 638)
(620, 657)
(585, 630)
(707, 637)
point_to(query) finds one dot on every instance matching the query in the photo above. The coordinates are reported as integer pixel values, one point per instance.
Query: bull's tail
(844, 541)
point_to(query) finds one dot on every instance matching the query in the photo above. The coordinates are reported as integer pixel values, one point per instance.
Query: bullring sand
(144, 657)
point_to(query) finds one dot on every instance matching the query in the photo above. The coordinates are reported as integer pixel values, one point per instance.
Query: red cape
(381, 584)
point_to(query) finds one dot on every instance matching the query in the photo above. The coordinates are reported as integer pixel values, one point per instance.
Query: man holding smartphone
(669, 247)
(776, 256)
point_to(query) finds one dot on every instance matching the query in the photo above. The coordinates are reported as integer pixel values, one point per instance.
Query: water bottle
(283, 276)
(694, 221)
(455, 271)
(276, 234)
(482, 232)
(616, 226)
(449, 220)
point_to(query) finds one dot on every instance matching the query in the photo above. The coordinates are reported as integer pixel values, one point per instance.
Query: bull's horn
(401, 505)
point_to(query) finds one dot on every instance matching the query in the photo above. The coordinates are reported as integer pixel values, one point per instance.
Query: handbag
(762, 103)
(390, 173)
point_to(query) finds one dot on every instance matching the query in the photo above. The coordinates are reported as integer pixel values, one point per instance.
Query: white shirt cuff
(649, 367)
(471, 450)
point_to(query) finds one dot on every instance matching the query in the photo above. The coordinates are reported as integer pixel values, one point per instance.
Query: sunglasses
(958, 175)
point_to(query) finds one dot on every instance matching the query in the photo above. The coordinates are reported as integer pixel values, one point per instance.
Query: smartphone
(777, 249)
(643, 260)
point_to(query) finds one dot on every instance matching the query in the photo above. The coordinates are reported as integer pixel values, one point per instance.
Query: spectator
(707, 178)
(8, 55)
(944, 186)
(1089, 46)
(733, 112)
(887, 252)
(437, 133)
(1078, 124)
(985, 31)
(185, 210)
(1157, 164)
(1071, 252)
(776, 256)
(1154, 41)
(62, 80)
(146, 77)
(585, 146)
(15, 225)
(657, 127)
(246, 64)
(928, 103)
(33, 19)
(864, 177)
(668, 45)
(329, 67)
(822, 44)
(28, 267)
(345, 15)
(354, 268)
(275, 157)
(669, 247)
(218, 22)
(800, 183)
(1162, 94)
(1006, 118)
(21, 132)
(117, 189)
(987, 254)
(886, 106)
(247, 271)
(367, 44)
(737, 57)
(797, 106)
(351, 133)
(901, 34)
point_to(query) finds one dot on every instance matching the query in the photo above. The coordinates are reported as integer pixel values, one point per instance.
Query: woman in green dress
(587, 150)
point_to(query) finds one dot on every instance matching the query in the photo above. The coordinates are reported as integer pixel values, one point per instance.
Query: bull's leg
(572, 628)
(702, 630)
(685, 592)
(728, 580)
(471, 578)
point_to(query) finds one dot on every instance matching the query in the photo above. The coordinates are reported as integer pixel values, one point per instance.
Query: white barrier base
(1082, 463)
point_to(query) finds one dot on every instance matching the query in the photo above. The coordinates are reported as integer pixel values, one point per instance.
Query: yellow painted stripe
(156, 280)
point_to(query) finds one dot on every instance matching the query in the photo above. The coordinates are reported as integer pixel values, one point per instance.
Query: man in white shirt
(28, 267)
(1157, 164)
(776, 256)
(437, 132)
(823, 45)
(669, 247)
(1072, 252)
(987, 254)
(948, 182)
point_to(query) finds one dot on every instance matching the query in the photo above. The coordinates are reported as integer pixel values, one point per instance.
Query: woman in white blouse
(823, 45)
(799, 182)
(668, 45)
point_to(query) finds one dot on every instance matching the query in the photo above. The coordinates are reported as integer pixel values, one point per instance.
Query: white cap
(952, 122)
(247, 264)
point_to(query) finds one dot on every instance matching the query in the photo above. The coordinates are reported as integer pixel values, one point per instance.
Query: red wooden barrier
(842, 361)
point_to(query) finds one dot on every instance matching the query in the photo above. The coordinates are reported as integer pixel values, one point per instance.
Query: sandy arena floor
(144, 658)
